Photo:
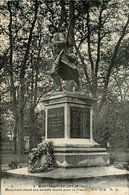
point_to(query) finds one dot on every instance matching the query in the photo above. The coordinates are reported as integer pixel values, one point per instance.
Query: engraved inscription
(55, 123)
(80, 123)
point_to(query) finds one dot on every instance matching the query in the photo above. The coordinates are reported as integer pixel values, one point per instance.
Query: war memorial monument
(69, 114)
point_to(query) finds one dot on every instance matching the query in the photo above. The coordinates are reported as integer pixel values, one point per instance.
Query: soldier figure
(64, 65)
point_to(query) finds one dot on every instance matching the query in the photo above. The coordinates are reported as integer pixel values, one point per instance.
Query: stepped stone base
(80, 157)
(69, 125)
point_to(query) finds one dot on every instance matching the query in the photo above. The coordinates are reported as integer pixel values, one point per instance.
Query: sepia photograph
(64, 97)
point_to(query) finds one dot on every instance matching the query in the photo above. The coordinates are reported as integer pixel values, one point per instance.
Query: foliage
(98, 29)
(45, 149)
(13, 165)
(112, 159)
(113, 124)
(25, 64)
(100, 35)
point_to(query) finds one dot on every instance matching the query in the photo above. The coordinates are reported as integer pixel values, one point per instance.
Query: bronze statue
(64, 65)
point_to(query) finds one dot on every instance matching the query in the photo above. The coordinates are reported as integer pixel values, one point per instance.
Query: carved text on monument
(80, 123)
(55, 123)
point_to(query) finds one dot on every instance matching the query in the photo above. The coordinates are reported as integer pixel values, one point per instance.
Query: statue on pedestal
(64, 65)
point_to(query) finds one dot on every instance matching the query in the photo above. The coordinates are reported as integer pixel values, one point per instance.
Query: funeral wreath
(45, 151)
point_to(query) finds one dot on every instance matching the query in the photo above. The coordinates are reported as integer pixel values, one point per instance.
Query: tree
(19, 113)
(92, 25)
(100, 27)
(23, 54)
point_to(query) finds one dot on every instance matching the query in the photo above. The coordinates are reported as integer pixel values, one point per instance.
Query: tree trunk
(70, 84)
(33, 98)
(95, 112)
(21, 119)
(32, 127)
(12, 88)
(112, 63)
(22, 87)
(15, 133)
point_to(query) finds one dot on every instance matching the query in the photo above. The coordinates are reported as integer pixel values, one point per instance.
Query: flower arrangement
(45, 150)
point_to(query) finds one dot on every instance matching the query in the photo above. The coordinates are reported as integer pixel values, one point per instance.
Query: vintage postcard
(64, 67)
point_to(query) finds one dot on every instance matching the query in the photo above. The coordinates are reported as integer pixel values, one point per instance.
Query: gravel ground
(96, 186)
(114, 186)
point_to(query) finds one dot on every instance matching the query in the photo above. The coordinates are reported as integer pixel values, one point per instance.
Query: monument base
(69, 125)
(79, 155)
(73, 156)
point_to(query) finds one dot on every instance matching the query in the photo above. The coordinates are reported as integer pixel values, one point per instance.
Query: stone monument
(69, 114)
(69, 126)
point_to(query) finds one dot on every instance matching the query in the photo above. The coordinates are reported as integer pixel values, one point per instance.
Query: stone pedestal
(69, 126)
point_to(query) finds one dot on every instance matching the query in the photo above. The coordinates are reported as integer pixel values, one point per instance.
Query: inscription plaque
(55, 123)
(80, 123)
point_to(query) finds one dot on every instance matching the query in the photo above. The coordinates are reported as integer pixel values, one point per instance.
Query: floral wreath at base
(46, 149)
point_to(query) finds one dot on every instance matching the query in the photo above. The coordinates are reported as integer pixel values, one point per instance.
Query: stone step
(78, 149)
(70, 173)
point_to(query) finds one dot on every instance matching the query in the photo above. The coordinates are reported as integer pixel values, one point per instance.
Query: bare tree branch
(112, 63)
(89, 46)
(29, 41)
(115, 54)
(98, 45)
